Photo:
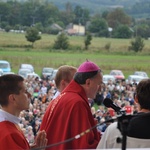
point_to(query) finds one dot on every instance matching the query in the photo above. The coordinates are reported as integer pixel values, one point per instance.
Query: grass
(15, 49)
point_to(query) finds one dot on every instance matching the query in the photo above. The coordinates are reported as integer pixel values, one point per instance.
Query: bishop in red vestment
(70, 114)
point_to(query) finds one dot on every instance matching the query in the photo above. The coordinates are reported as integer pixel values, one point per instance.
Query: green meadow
(16, 49)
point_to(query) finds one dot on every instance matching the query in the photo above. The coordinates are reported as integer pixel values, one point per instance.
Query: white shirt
(5, 116)
(43, 90)
(109, 140)
(56, 94)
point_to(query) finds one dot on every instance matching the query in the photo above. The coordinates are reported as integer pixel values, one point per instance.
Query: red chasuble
(67, 116)
(11, 138)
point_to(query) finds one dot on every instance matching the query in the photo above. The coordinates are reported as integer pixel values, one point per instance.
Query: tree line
(21, 15)
(41, 15)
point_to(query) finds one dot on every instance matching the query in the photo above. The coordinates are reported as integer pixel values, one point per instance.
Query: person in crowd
(68, 118)
(138, 126)
(63, 77)
(14, 98)
(110, 86)
(99, 97)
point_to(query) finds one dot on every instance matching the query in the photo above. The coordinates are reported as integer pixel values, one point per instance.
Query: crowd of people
(43, 92)
(131, 131)
(121, 94)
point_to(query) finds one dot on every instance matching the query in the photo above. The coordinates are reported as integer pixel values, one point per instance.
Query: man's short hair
(143, 93)
(9, 84)
(66, 73)
(81, 77)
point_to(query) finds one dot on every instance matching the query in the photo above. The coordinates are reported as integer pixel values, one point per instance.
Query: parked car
(134, 79)
(23, 72)
(141, 73)
(33, 75)
(108, 77)
(118, 74)
(1, 72)
(47, 72)
(8, 73)
(5, 66)
(54, 74)
(27, 66)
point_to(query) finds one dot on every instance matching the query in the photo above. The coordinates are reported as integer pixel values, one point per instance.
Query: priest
(68, 120)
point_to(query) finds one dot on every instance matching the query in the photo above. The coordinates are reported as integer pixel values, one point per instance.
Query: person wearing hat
(68, 119)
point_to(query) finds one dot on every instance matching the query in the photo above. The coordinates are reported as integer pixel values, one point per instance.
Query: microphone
(109, 103)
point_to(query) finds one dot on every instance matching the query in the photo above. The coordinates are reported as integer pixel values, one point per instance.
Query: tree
(142, 30)
(46, 13)
(7, 28)
(61, 42)
(81, 15)
(99, 27)
(117, 17)
(122, 31)
(30, 15)
(87, 40)
(137, 44)
(105, 14)
(32, 35)
(67, 15)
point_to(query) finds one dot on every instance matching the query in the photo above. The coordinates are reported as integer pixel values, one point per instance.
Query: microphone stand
(73, 138)
(123, 121)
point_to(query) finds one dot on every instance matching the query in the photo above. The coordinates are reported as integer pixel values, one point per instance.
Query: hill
(134, 8)
(98, 6)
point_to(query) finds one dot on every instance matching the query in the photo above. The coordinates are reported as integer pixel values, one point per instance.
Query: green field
(15, 49)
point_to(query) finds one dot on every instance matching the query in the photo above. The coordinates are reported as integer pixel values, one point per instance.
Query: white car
(33, 75)
(27, 66)
(1, 72)
(47, 72)
(108, 77)
(118, 74)
(141, 73)
(24, 72)
(54, 74)
(134, 79)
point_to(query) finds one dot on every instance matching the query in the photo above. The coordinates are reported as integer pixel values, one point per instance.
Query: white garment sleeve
(109, 138)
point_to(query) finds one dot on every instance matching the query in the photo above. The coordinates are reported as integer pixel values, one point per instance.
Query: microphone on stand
(122, 120)
(109, 103)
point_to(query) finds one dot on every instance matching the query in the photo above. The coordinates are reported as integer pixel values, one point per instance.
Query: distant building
(73, 29)
(110, 29)
(55, 26)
